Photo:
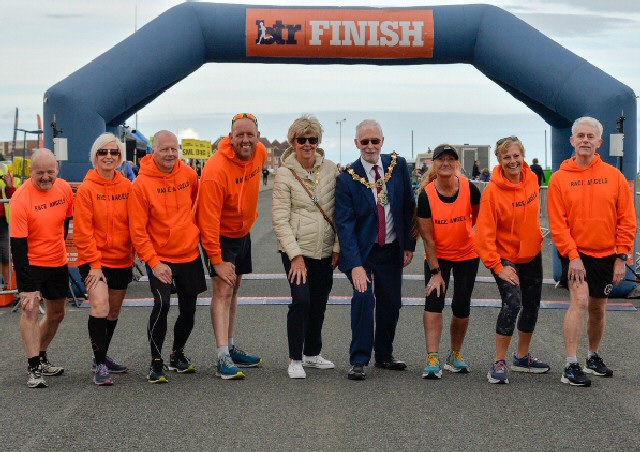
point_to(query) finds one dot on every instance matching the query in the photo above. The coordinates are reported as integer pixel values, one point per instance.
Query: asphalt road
(268, 411)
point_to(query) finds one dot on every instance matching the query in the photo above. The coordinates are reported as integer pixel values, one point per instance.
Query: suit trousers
(308, 304)
(382, 297)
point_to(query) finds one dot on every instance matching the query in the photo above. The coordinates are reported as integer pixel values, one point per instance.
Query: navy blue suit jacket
(357, 215)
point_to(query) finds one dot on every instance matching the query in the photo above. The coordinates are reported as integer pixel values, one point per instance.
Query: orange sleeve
(19, 217)
(558, 221)
(138, 218)
(626, 221)
(70, 199)
(486, 229)
(83, 234)
(208, 214)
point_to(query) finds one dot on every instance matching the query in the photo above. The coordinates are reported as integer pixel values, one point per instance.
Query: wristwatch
(435, 271)
(623, 256)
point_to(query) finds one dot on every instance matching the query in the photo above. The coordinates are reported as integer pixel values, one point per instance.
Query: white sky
(42, 42)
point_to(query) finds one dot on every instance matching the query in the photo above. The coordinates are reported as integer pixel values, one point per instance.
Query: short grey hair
(588, 120)
(368, 124)
(162, 132)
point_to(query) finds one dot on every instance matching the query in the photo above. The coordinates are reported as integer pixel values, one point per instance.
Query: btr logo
(275, 35)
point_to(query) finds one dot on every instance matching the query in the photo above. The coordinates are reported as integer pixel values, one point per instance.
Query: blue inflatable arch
(553, 82)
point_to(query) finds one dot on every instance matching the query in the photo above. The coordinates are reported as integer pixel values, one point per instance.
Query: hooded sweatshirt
(591, 210)
(101, 221)
(228, 200)
(160, 213)
(508, 225)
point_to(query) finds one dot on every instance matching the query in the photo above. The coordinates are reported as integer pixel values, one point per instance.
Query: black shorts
(188, 278)
(236, 251)
(52, 282)
(117, 278)
(599, 274)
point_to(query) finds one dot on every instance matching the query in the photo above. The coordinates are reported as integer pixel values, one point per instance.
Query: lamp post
(339, 122)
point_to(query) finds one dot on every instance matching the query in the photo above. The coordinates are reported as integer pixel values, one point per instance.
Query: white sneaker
(317, 361)
(296, 370)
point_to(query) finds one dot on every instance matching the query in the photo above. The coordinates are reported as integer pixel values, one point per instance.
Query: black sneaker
(596, 366)
(181, 363)
(356, 372)
(156, 372)
(574, 375)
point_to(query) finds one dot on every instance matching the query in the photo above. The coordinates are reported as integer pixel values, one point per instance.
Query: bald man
(40, 213)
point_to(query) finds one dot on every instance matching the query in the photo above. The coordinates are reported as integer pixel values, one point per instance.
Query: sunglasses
(244, 115)
(511, 138)
(374, 141)
(103, 152)
(303, 140)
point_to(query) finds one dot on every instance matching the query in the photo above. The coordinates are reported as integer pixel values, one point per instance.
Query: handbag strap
(313, 200)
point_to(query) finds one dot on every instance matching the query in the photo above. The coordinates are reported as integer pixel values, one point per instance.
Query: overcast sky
(42, 42)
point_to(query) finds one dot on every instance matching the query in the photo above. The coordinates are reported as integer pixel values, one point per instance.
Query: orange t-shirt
(452, 224)
(39, 216)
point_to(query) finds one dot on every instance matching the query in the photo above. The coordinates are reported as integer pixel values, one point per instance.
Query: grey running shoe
(102, 377)
(35, 378)
(49, 369)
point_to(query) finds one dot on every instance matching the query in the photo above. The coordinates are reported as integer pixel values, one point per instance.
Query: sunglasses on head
(511, 138)
(303, 140)
(374, 141)
(103, 152)
(244, 115)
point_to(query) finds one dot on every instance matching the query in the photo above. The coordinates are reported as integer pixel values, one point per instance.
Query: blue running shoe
(432, 371)
(455, 363)
(529, 364)
(596, 366)
(157, 372)
(498, 373)
(574, 376)
(243, 359)
(227, 370)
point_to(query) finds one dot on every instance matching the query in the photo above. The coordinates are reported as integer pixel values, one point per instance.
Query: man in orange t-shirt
(40, 212)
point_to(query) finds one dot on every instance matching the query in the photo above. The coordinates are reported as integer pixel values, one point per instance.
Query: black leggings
(526, 295)
(464, 274)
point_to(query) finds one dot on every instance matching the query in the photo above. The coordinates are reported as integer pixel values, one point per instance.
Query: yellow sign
(196, 149)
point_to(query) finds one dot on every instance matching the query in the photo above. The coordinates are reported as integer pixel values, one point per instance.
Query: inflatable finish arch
(553, 82)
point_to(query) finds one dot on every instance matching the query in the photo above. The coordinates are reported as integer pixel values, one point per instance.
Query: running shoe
(529, 364)
(296, 370)
(498, 373)
(455, 363)
(574, 375)
(227, 369)
(432, 371)
(596, 366)
(102, 377)
(243, 359)
(181, 363)
(157, 372)
(317, 361)
(35, 378)
(49, 369)
(112, 365)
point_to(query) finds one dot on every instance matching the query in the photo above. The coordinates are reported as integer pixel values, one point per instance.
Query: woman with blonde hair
(303, 220)
(105, 252)
(448, 207)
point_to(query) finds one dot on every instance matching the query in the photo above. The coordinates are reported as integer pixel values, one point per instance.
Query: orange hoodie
(101, 221)
(160, 213)
(508, 225)
(591, 210)
(228, 200)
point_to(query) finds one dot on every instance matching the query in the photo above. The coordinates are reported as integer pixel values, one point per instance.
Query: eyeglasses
(303, 140)
(103, 152)
(511, 138)
(374, 141)
(244, 115)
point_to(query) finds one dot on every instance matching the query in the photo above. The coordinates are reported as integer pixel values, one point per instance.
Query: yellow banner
(196, 149)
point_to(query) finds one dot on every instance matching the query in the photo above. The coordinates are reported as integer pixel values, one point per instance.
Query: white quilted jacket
(299, 226)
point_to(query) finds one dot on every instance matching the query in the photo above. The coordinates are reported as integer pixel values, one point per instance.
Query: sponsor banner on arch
(338, 33)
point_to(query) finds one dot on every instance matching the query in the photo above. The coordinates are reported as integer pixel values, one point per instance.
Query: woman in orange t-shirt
(447, 210)
(105, 252)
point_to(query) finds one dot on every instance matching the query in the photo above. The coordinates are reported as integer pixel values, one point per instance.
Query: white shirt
(390, 233)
